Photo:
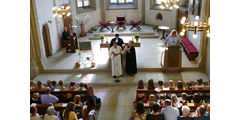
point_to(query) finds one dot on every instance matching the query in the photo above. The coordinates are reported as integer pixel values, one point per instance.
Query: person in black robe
(66, 34)
(131, 63)
(118, 40)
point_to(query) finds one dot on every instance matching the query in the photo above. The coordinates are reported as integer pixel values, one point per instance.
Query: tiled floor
(149, 55)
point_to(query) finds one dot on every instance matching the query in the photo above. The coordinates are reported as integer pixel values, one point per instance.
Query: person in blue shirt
(48, 97)
(173, 39)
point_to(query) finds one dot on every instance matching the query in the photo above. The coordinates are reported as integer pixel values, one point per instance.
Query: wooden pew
(188, 91)
(62, 92)
(190, 105)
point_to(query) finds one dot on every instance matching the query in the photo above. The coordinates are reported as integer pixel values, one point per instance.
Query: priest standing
(115, 55)
(131, 63)
(118, 40)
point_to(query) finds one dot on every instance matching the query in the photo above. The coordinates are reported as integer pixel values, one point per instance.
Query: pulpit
(172, 59)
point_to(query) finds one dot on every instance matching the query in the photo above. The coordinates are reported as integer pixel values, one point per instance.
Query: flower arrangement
(101, 37)
(137, 36)
(77, 64)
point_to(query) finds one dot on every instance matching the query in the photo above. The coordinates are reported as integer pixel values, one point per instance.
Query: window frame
(83, 9)
(121, 6)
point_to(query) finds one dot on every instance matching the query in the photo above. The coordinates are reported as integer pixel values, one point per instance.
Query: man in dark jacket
(118, 40)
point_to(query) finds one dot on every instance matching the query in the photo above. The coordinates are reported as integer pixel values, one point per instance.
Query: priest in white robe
(115, 55)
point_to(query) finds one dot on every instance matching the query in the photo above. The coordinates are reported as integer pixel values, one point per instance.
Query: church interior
(82, 59)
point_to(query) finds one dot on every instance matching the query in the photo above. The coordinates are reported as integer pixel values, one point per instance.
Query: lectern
(172, 59)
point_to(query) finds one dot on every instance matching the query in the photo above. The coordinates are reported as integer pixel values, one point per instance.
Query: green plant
(137, 36)
(101, 36)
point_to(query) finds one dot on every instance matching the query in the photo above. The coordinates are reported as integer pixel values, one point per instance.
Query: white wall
(169, 17)
(94, 16)
(45, 14)
(131, 14)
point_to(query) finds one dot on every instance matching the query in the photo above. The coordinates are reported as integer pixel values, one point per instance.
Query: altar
(106, 41)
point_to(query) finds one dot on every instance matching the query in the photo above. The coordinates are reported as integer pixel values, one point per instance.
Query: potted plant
(101, 38)
(137, 36)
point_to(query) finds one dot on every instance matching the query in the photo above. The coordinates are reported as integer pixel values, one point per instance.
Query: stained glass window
(120, 1)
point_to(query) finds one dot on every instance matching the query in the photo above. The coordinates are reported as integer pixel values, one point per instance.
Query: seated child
(174, 100)
(32, 85)
(81, 87)
(39, 85)
(189, 84)
(61, 85)
(72, 85)
(54, 84)
(180, 85)
(49, 84)
(199, 83)
(162, 98)
(160, 84)
(151, 85)
(171, 84)
(183, 98)
(151, 100)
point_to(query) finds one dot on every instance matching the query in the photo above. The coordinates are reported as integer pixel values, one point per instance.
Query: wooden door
(45, 40)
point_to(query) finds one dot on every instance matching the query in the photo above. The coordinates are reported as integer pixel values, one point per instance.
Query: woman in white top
(173, 39)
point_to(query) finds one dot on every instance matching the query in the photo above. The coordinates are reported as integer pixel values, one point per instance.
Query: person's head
(60, 83)
(202, 111)
(115, 44)
(155, 107)
(131, 43)
(81, 84)
(85, 86)
(47, 90)
(54, 83)
(140, 107)
(180, 85)
(185, 110)
(49, 82)
(50, 110)
(32, 83)
(77, 99)
(72, 84)
(162, 97)
(174, 98)
(160, 82)
(39, 84)
(69, 96)
(151, 97)
(208, 108)
(190, 83)
(151, 84)
(184, 96)
(68, 109)
(33, 110)
(167, 102)
(117, 36)
(140, 84)
(199, 81)
(171, 83)
(196, 98)
(35, 95)
(173, 33)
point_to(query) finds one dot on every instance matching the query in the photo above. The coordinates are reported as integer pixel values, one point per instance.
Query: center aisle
(116, 102)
